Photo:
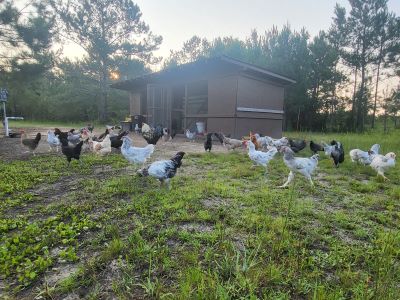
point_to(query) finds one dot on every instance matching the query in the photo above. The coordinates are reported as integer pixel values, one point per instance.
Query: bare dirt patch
(11, 148)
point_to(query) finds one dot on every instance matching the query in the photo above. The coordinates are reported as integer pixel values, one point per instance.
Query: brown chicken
(31, 144)
(253, 139)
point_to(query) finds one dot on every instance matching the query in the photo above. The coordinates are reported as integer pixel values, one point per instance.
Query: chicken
(254, 140)
(297, 145)
(264, 141)
(31, 144)
(191, 136)
(152, 135)
(71, 152)
(116, 141)
(163, 170)
(54, 142)
(61, 135)
(283, 141)
(219, 137)
(316, 147)
(381, 163)
(208, 142)
(261, 158)
(364, 157)
(103, 147)
(73, 138)
(135, 155)
(168, 135)
(231, 143)
(335, 151)
(302, 165)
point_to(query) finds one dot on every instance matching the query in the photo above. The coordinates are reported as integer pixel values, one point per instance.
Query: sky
(178, 20)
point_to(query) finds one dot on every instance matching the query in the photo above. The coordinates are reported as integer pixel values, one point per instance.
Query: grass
(48, 124)
(220, 233)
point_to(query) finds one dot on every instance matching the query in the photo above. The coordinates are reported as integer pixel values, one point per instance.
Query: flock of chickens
(261, 150)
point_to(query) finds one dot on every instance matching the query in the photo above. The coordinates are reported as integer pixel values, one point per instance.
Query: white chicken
(382, 163)
(190, 135)
(302, 165)
(53, 140)
(364, 157)
(261, 158)
(163, 170)
(103, 147)
(135, 155)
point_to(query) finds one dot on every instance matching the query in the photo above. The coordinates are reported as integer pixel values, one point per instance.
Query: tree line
(344, 75)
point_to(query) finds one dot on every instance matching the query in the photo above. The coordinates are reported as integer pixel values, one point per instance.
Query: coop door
(158, 105)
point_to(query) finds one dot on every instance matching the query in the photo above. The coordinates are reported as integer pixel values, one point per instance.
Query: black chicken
(31, 144)
(315, 147)
(208, 142)
(219, 137)
(71, 152)
(61, 135)
(116, 141)
(337, 153)
(297, 145)
(152, 135)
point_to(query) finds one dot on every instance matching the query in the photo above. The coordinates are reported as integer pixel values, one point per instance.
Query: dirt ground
(11, 148)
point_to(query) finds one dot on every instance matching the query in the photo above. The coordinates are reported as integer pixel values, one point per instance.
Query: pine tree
(106, 30)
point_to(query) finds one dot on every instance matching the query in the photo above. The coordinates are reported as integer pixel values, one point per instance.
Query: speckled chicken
(303, 165)
(164, 170)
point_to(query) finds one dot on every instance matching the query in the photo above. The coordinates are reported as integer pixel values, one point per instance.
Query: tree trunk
(376, 86)
(353, 104)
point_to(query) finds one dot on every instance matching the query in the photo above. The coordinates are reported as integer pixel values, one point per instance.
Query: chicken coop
(225, 94)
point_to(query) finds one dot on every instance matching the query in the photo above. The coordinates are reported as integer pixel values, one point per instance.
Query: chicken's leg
(168, 184)
(310, 179)
(289, 180)
(380, 172)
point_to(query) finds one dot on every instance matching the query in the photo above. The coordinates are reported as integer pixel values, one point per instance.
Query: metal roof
(221, 64)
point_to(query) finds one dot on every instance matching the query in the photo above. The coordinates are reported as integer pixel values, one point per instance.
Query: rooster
(163, 170)
(54, 142)
(135, 155)
(297, 145)
(336, 151)
(71, 152)
(31, 144)
(208, 142)
(254, 140)
(261, 158)
(381, 163)
(103, 147)
(314, 147)
(364, 157)
(152, 135)
(302, 165)
(191, 136)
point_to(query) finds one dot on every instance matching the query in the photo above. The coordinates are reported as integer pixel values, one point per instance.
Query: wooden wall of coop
(227, 95)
